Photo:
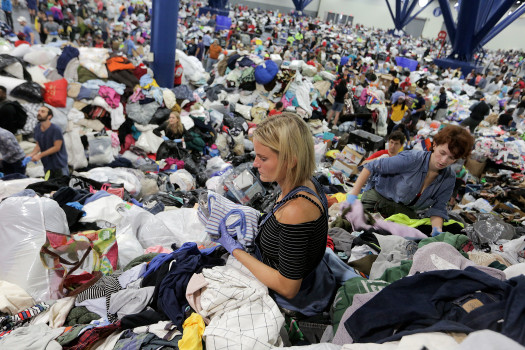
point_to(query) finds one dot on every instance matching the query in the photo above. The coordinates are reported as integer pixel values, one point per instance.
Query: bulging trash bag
(28, 91)
(489, 229)
(171, 149)
(23, 231)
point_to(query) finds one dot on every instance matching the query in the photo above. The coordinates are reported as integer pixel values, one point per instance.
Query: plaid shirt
(90, 336)
(9, 147)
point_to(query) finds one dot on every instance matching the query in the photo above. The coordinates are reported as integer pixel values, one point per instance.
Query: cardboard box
(346, 168)
(474, 167)
(353, 154)
(385, 80)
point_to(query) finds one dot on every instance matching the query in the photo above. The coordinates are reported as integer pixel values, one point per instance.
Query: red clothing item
(377, 154)
(20, 42)
(178, 74)
(274, 112)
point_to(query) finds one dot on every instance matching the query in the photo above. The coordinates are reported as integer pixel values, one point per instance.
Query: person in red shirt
(278, 109)
(21, 40)
(178, 73)
(396, 140)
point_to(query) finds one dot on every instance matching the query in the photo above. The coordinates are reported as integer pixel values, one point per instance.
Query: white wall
(374, 13)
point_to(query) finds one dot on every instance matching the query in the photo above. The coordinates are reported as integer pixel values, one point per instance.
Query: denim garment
(401, 177)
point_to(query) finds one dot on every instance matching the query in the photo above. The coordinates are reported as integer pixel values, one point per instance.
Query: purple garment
(357, 218)
(342, 337)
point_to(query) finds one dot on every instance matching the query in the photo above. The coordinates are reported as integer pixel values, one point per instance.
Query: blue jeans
(209, 63)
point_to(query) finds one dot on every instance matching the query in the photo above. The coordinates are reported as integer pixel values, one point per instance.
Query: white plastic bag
(148, 141)
(184, 225)
(100, 151)
(76, 157)
(23, 232)
(183, 179)
(129, 246)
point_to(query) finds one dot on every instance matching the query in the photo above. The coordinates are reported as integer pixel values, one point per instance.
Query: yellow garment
(150, 85)
(398, 113)
(332, 153)
(193, 331)
(405, 220)
(341, 197)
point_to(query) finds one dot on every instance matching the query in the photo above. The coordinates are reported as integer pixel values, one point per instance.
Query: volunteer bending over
(415, 180)
(292, 238)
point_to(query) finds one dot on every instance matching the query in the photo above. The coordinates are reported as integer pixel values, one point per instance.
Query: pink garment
(195, 287)
(158, 249)
(137, 96)
(110, 96)
(171, 161)
(115, 142)
(362, 98)
(128, 142)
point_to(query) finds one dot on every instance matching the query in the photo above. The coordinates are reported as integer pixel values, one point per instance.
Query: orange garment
(214, 51)
(119, 63)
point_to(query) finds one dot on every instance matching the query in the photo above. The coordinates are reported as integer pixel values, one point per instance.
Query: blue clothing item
(206, 39)
(200, 54)
(46, 140)
(445, 300)
(27, 32)
(401, 177)
(172, 291)
(129, 46)
(95, 196)
(9, 147)
(395, 96)
(68, 53)
(7, 6)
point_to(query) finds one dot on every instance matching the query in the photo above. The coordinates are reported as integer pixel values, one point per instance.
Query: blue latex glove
(136, 202)
(227, 241)
(26, 160)
(75, 205)
(436, 232)
(351, 198)
(414, 112)
(165, 138)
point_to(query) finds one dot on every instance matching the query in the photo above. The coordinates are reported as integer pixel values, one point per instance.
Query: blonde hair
(289, 136)
(177, 127)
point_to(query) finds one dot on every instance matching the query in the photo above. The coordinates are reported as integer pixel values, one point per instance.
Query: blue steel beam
(448, 19)
(503, 24)
(397, 23)
(483, 11)
(404, 10)
(300, 5)
(494, 18)
(462, 46)
(408, 20)
(407, 14)
(164, 21)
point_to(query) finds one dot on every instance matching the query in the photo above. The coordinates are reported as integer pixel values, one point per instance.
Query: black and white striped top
(293, 250)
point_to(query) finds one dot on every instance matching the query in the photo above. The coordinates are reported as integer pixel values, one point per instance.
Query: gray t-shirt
(51, 27)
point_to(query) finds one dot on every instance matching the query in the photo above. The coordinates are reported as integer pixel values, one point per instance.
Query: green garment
(393, 274)
(405, 220)
(345, 295)
(80, 315)
(457, 241)
(139, 260)
(194, 141)
(84, 75)
(68, 337)
(497, 265)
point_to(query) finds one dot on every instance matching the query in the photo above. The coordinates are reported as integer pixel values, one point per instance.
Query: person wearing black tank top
(292, 238)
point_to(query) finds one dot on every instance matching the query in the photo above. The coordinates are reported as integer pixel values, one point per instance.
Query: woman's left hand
(227, 241)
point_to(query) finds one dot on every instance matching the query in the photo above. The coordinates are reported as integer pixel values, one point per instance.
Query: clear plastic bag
(243, 184)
